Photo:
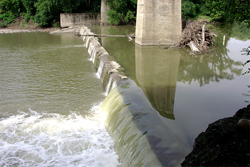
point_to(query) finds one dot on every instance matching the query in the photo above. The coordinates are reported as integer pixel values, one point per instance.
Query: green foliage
(26, 16)
(229, 10)
(29, 6)
(188, 9)
(12, 6)
(44, 12)
(7, 18)
(122, 11)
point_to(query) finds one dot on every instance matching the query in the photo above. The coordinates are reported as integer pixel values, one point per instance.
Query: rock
(112, 71)
(224, 143)
(123, 76)
(244, 123)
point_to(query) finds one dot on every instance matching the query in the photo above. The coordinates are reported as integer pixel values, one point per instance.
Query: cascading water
(93, 54)
(100, 68)
(141, 139)
(113, 85)
(108, 86)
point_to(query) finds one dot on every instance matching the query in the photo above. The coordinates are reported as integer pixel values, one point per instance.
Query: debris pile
(197, 37)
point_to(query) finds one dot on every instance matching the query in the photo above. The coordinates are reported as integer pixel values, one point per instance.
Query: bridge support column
(158, 22)
(104, 12)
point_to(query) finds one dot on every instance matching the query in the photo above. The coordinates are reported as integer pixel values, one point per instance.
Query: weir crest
(141, 138)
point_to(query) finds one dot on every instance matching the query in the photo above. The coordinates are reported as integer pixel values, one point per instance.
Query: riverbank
(224, 143)
(11, 30)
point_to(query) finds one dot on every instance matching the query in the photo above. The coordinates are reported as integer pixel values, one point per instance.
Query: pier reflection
(156, 73)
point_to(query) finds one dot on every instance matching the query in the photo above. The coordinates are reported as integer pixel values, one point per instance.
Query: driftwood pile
(197, 37)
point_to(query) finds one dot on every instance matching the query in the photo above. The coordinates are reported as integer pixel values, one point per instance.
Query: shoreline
(11, 30)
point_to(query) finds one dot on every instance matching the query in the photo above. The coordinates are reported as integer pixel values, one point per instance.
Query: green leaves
(44, 12)
(229, 10)
(122, 11)
(188, 9)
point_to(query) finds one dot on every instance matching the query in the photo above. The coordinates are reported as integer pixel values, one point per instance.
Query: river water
(50, 99)
(187, 91)
(50, 95)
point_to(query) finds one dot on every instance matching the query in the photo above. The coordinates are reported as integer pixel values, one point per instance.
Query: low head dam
(141, 137)
(74, 19)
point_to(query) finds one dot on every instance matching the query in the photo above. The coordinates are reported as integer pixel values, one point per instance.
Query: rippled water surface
(50, 95)
(50, 99)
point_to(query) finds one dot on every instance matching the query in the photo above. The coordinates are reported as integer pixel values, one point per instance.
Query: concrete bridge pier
(104, 12)
(158, 22)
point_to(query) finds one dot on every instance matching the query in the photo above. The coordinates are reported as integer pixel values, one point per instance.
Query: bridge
(158, 22)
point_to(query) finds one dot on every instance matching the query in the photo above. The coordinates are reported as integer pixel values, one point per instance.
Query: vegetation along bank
(46, 12)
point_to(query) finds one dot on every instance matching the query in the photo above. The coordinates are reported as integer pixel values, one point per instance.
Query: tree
(122, 11)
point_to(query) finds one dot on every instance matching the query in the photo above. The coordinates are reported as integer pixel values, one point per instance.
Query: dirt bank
(19, 26)
(224, 143)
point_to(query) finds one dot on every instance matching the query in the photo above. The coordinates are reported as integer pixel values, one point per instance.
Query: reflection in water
(207, 89)
(156, 73)
(205, 68)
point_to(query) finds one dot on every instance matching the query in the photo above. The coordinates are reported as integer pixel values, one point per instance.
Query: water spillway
(140, 136)
(168, 97)
(50, 95)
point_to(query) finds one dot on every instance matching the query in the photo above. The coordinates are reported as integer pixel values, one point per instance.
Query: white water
(113, 85)
(87, 42)
(108, 87)
(100, 68)
(93, 54)
(51, 139)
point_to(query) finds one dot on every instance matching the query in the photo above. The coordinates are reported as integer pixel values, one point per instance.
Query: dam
(140, 105)
(58, 108)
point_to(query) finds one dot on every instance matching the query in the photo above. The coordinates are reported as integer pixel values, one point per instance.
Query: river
(50, 96)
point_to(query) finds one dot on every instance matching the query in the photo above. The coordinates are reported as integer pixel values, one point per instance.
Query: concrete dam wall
(73, 19)
(141, 138)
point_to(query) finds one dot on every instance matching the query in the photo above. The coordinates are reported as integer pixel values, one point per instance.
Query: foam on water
(50, 139)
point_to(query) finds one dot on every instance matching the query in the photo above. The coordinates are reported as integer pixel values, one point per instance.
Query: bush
(122, 11)
(8, 17)
(188, 9)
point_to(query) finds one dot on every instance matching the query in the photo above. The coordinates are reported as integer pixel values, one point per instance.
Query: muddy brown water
(49, 90)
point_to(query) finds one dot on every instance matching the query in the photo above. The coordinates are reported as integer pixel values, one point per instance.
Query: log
(224, 38)
(203, 35)
(193, 47)
(103, 35)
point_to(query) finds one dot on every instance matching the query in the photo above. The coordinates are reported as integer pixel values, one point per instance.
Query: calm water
(188, 91)
(50, 98)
